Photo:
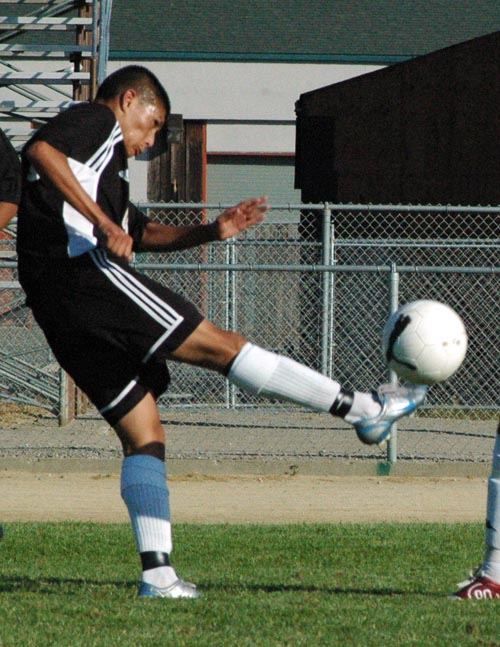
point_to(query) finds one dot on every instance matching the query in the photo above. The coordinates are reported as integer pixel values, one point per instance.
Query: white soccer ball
(424, 342)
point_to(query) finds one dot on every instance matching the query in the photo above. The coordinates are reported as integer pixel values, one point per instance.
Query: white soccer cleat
(396, 402)
(179, 589)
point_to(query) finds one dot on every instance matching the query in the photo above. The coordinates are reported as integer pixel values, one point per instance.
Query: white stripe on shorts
(153, 305)
(147, 300)
(120, 396)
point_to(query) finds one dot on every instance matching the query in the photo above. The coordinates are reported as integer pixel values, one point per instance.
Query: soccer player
(113, 329)
(10, 181)
(484, 583)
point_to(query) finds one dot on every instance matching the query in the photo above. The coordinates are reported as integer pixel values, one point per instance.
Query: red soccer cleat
(477, 587)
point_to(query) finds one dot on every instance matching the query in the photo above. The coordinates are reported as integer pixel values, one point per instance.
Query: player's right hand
(116, 240)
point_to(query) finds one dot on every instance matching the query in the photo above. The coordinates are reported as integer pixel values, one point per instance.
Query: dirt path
(29, 496)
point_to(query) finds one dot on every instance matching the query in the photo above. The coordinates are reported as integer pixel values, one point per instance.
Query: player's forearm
(158, 237)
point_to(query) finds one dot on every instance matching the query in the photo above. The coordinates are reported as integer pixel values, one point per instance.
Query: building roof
(339, 30)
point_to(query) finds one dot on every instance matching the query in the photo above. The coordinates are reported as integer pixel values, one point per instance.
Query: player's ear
(127, 97)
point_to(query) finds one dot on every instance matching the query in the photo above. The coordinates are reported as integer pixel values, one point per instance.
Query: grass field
(73, 584)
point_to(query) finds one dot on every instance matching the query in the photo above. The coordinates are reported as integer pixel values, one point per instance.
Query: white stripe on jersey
(104, 153)
(79, 229)
(147, 300)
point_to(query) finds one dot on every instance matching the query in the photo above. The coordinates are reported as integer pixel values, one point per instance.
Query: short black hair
(137, 77)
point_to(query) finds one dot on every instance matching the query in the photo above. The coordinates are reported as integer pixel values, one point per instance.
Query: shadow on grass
(308, 588)
(56, 585)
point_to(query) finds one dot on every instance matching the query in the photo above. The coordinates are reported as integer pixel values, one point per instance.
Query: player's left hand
(240, 217)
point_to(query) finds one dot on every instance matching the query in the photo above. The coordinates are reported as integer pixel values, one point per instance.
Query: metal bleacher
(52, 53)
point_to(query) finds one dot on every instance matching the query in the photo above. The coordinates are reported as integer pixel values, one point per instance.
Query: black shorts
(110, 327)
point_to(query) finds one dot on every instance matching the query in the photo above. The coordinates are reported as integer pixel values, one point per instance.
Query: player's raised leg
(261, 372)
(145, 493)
(484, 583)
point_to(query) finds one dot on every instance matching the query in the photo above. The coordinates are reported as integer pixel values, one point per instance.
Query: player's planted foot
(396, 402)
(477, 587)
(178, 589)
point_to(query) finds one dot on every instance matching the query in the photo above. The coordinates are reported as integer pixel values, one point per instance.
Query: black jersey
(48, 226)
(10, 172)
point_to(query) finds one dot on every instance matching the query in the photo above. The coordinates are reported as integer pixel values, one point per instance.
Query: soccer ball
(424, 342)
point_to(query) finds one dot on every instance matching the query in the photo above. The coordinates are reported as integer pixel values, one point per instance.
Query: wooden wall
(426, 131)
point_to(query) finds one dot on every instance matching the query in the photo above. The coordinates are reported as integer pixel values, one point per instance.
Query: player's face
(140, 123)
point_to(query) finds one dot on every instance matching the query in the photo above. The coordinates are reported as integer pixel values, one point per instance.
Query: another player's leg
(484, 583)
(268, 374)
(145, 493)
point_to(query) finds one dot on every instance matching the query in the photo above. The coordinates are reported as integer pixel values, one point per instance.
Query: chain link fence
(316, 283)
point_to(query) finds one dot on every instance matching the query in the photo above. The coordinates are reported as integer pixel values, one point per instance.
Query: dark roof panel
(340, 28)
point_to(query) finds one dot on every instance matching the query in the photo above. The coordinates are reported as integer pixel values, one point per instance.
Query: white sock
(145, 493)
(365, 405)
(491, 564)
(261, 372)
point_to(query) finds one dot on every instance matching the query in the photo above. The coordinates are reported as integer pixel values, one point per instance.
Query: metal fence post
(230, 311)
(326, 259)
(392, 445)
